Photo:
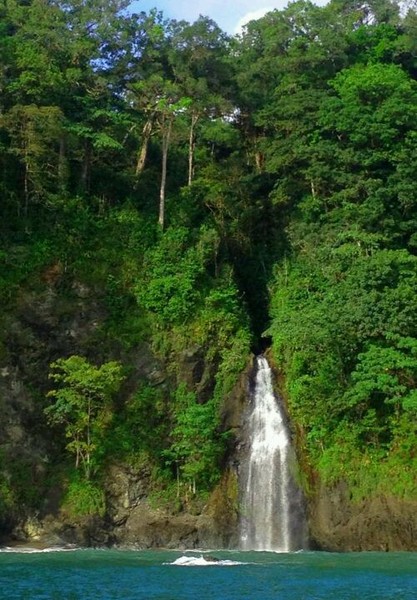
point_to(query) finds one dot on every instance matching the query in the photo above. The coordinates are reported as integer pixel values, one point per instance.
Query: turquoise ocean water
(168, 575)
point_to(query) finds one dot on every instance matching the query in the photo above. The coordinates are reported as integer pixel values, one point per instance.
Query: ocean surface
(218, 575)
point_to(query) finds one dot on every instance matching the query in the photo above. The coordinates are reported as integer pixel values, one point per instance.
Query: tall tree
(198, 58)
(82, 404)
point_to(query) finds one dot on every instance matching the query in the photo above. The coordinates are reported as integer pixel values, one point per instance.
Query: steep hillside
(173, 200)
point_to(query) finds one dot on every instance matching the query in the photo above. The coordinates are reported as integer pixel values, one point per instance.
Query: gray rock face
(381, 524)
(49, 323)
(43, 326)
(132, 521)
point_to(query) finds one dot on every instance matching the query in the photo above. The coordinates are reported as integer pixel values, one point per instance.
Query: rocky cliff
(339, 524)
(56, 320)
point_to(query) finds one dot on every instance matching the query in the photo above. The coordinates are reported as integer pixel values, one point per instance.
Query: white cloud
(251, 16)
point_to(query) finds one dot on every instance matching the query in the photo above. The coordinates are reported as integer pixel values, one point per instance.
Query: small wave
(203, 561)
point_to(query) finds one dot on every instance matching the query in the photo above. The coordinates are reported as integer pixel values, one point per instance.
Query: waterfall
(272, 504)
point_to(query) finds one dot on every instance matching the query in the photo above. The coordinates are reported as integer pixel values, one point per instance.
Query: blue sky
(228, 14)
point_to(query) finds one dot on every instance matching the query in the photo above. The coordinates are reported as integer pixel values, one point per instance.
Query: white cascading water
(272, 515)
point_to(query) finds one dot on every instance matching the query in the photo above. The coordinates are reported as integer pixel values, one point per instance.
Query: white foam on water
(31, 550)
(202, 561)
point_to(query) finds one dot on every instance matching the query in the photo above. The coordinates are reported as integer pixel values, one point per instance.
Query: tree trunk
(259, 161)
(146, 135)
(26, 187)
(313, 188)
(191, 147)
(62, 165)
(166, 134)
(86, 167)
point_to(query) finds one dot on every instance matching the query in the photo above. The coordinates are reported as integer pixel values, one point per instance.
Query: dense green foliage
(204, 191)
(82, 403)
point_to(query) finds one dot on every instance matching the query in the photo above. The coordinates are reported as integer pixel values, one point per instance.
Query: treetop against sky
(230, 15)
